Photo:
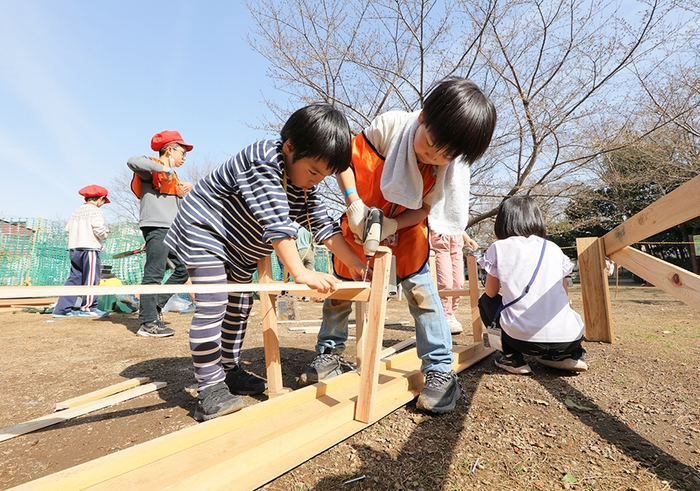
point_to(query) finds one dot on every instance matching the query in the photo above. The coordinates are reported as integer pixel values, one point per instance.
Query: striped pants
(218, 326)
(85, 268)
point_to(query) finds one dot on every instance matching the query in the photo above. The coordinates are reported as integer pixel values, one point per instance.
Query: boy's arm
(98, 226)
(337, 245)
(143, 166)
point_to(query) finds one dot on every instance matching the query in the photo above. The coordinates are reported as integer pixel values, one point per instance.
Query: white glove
(357, 214)
(389, 226)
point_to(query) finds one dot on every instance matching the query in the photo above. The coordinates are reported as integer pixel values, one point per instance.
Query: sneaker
(455, 326)
(61, 316)
(514, 363)
(86, 313)
(324, 366)
(215, 401)
(100, 313)
(568, 363)
(245, 383)
(155, 329)
(440, 392)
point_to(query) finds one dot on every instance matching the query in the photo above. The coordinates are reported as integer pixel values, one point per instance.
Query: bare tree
(555, 69)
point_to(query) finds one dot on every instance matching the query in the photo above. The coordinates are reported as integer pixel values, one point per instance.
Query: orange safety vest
(161, 182)
(412, 247)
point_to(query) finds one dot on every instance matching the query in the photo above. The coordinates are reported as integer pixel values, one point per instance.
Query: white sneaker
(565, 364)
(455, 326)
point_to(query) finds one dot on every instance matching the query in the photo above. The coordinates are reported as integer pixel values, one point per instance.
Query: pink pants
(449, 263)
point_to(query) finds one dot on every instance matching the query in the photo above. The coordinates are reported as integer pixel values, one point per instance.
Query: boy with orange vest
(403, 163)
(159, 190)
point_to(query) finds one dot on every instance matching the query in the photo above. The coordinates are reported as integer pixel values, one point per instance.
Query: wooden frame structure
(681, 205)
(257, 444)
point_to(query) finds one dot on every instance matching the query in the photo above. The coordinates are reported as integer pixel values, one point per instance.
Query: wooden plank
(373, 335)
(271, 343)
(145, 466)
(453, 293)
(27, 302)
(474, 298)
(397, 347)
(678, 206)
(99, 394)
(360, 323)
(681, 284)
(60, 417)
(594, 290)
(351, 289)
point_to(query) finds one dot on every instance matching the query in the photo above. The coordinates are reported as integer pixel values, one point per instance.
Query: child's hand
(184, 188)
(322, 282)
(357, 270)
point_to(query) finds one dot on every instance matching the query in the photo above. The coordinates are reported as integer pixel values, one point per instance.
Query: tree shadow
(616, 432)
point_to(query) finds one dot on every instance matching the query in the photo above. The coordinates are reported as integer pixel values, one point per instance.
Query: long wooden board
(245, 450)
(61, 416)
(101, 393)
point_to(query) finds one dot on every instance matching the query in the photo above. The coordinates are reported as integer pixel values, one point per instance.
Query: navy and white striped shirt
(235, 213)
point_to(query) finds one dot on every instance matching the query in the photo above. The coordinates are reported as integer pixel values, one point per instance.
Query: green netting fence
(34, 251)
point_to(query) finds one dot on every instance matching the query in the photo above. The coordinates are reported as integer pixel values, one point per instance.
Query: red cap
(166, 137)
(94, 191)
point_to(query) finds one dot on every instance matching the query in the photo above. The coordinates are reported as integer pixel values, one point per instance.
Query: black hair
(173, 145)
(320, 131)
(92, 198)
(460, 118)
(519, 216)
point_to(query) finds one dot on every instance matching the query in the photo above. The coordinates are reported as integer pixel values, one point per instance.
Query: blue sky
(84, 85)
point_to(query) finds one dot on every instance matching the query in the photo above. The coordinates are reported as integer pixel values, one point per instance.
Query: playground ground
(632, 422)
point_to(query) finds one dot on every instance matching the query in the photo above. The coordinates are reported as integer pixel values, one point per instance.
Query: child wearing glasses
(242, 212)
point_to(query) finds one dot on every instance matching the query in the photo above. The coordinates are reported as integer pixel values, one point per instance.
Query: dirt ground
(632, 422)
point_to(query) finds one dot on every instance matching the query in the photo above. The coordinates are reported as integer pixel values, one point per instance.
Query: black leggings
(488, 307)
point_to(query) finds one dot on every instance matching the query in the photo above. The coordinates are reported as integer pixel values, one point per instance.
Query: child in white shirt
(533, 309)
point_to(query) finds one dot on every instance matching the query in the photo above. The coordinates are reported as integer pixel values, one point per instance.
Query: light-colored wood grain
(681, 284)
(678, 206)
(373, 335)
(61, 416)
(474, 298)
(594, 290)
(271, 343)
(101, 393)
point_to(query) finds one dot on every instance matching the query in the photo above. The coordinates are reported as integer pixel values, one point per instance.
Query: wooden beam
(360, 323)
(271, 343)
(101, 393)
(678, 206)
(373, 335)
(594, 290)
(353, 289)
(681, 284)
(397, 347)
(474, 298)
(246, 449)
(61, 416)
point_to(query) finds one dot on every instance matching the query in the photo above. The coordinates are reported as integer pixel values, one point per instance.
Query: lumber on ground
(61, 416)
(101, 393)
(249, 448)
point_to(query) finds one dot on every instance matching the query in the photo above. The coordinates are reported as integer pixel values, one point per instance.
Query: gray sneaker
(324, 366)
(564, 363)
(440, 392)
(215, 401)
(155, 329)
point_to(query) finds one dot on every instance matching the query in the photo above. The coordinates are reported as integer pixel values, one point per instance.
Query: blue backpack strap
(527, 287)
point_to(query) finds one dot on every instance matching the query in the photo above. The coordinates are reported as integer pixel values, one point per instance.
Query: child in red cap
(86, 231)
(159, 189)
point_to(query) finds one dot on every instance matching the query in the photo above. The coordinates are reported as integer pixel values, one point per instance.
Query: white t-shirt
(544, 314)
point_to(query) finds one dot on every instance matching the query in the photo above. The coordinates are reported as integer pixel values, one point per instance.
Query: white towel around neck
(402, 183)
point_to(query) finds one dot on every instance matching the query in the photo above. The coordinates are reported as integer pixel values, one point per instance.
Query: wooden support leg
(373, 335)
(360, 321)
(594, 289)
(270, 336)
(474, 299)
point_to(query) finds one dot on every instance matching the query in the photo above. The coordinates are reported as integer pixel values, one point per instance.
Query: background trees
(572, 80)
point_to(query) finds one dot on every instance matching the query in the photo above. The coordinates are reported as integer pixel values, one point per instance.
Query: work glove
(389, 226)
(357, 214)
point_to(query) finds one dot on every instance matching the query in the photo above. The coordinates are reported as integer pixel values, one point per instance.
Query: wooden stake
(594, 290)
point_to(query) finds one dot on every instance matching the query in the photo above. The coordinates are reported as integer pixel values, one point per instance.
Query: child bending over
(239, 214)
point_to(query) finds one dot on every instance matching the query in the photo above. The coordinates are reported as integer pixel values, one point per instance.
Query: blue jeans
(433, 338)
